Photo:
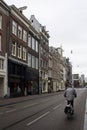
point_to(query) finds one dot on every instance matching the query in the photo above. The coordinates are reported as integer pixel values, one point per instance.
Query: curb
(6, 102)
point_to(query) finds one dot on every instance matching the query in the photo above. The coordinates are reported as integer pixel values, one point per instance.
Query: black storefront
(32, 78)
(22, 80)
(16, 78)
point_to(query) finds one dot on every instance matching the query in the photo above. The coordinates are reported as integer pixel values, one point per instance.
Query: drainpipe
(7, 89)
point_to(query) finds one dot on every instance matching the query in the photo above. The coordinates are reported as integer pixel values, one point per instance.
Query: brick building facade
(24, 56)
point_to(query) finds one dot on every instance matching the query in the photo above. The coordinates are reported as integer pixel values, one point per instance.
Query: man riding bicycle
(70, 94)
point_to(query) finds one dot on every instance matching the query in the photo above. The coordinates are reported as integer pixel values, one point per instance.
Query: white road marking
(57, 106)
(85, 121)
(30, 105)
(11, 110)
(38, 118)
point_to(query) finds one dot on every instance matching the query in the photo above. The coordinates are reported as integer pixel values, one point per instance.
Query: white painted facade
(3, 77)
(44, 75)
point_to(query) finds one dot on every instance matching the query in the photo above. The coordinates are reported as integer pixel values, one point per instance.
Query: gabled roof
(31, 28)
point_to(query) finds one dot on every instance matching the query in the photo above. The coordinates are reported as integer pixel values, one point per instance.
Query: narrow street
(45, 113)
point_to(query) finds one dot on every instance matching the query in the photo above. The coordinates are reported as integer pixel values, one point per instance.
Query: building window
(24, 36)
(33, 62)
(0, 21)
(0, 42)
(36, 46)
(24, 53)
(29, 41)
(20, 32)
(29, 60)
(33, 43)
(36, 63)
(19, 51)
(14, 27)
(1, 64)
(14, 44)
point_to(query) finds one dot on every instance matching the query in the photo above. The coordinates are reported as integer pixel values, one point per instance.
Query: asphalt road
(45, 113)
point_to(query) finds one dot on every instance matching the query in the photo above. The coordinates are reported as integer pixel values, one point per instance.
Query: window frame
(24, 53)
(37, 64)
(14, 45)
(37, 46)
(1, 64)
(33, 43)
(29, 60)
(0, 42)
(19, 32)
(0, 21)
(19, 51)
(14, 27)
(24, 35)
(33, 62)
(29, 40)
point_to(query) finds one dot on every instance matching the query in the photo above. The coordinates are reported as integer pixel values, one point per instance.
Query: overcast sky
(66, 21)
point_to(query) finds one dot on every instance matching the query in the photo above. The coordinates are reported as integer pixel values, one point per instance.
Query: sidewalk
(9, 101)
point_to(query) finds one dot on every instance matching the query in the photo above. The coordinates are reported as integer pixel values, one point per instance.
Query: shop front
(16, 79)
(32, 77)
